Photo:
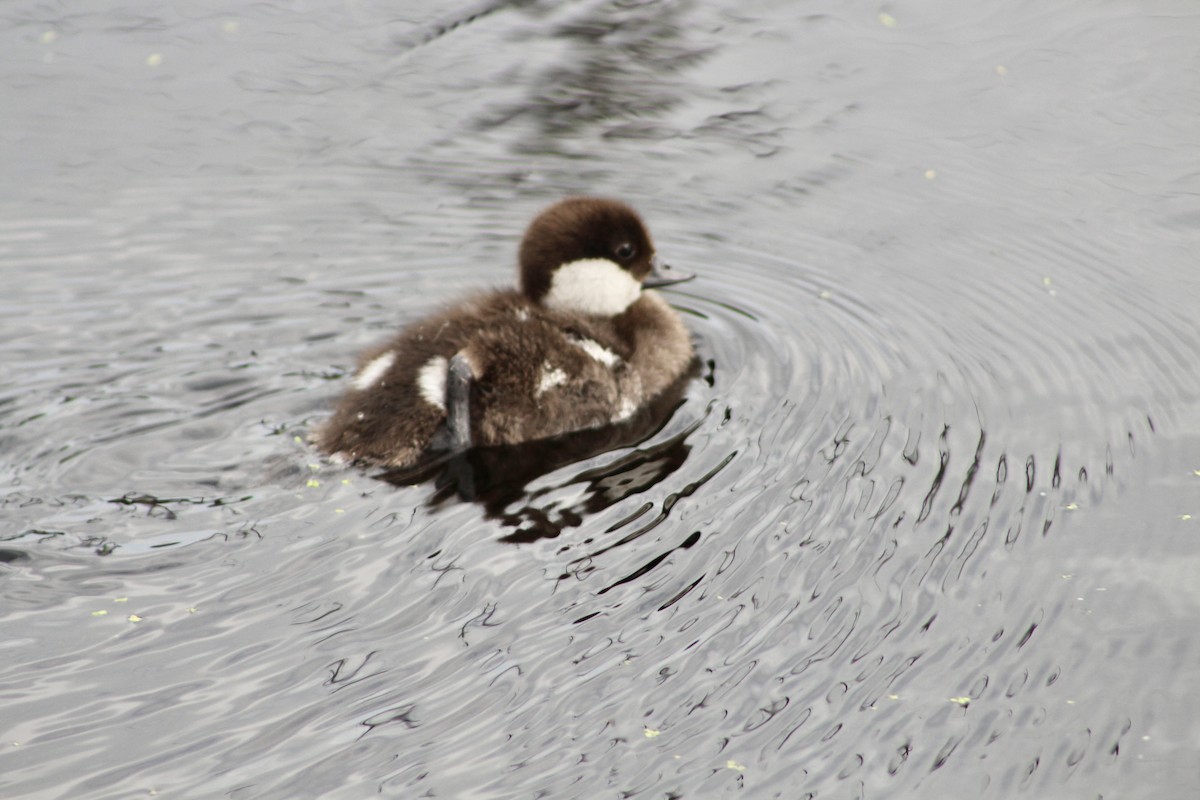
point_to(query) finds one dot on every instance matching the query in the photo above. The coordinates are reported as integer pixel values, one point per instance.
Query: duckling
(584, 343)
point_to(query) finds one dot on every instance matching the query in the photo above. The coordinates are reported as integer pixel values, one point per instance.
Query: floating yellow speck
(297, 440)
(962, 701)
(893, 697)
(731, 764)
(1046, 281)
(651, 733)
(1196, 472)
(345, 481)
(154, 60)
(1071, 506)
(314, 467)
(339, 511)
(120, 599)
(1185, 517)
(1001, 70)
(230, 28)
(825, 294)
(48, 37)
(887, 20)
(931, 174)
(99, 613)
(134, 618)
(191, 609)
(313, 483)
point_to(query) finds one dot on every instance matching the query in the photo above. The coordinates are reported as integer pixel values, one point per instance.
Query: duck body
(581, 345)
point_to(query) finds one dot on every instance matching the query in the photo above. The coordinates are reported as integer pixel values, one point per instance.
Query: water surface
(924, 525)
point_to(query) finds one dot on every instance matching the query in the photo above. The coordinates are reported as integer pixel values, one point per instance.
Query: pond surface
(927, 524)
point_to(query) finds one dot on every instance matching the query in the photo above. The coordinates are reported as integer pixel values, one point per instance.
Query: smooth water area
(926, 524)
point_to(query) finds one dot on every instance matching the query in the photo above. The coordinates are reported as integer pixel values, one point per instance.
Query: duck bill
(664, 275)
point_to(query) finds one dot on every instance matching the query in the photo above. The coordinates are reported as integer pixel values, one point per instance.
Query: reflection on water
(923, 524)
(620, 74)
(498, 477)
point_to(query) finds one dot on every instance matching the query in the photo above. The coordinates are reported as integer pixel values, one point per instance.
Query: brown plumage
(581, 346)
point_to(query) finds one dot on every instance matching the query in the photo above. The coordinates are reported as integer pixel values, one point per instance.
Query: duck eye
(625, 251)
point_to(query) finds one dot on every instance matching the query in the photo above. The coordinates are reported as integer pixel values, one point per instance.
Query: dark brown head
(586, 254)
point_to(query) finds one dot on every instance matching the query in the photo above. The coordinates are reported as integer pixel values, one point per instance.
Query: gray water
(927, 524)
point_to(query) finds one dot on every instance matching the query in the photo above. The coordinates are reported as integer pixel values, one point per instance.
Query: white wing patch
(551, 376)
(431, 382)
(374, 370)
(625, 411)
(597, 351)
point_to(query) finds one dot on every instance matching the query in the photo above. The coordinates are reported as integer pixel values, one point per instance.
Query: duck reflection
(497, 477)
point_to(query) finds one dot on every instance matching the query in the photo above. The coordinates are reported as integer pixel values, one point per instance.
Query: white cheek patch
(431, 382)
(592, 286)
(597, 351)
(551, 376)
(374, 370)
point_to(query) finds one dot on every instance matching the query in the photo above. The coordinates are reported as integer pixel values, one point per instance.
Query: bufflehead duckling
(583, 344)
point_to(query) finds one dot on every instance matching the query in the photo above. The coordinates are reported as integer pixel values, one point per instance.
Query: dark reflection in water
(623, 57)
(497, 477)
(8, 556)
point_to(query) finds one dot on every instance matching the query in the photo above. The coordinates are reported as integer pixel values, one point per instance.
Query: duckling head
(587, 255)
